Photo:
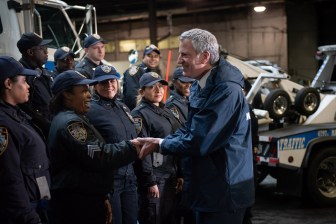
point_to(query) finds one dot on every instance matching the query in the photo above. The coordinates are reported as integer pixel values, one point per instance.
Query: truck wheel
(277, 103)
(307, 101)
(321, 177)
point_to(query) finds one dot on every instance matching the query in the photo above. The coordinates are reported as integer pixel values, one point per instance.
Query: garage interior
(287, 33)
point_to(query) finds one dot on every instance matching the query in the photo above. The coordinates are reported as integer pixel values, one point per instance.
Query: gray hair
(202, 41)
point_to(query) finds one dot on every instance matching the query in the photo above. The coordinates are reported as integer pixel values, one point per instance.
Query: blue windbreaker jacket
(216, 144)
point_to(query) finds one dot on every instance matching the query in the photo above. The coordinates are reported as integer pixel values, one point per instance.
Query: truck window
(55, 27)
(333, 76)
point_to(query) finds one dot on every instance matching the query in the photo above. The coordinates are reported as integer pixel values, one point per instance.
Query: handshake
(146, 146)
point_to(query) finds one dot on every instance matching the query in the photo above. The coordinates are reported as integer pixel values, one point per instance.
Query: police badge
(77, 131)
(133, 70)
(175, 112)
(3, 139)
(137, 124)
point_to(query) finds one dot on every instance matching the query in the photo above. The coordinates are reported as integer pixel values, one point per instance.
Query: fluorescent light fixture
(259, 8)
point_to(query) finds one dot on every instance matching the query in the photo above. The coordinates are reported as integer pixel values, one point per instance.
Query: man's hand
(153, 191)
(137, 145)
(149, 145)
(179, 185)
(108, 207)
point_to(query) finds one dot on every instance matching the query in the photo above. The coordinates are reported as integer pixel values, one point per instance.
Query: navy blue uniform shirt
(39, 98)
(158, 122)
(178, 105)
(115, 125)
(86, 67)
(23, 161)
(131, 83)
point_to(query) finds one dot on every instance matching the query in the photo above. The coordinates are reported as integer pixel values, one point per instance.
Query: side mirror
(133, 56)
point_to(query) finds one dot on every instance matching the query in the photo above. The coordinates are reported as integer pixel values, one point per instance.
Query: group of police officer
(45, 136)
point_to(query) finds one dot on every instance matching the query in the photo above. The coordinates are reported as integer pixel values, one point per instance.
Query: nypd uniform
(131, 83)
(24, 168)
(116, 125)
(178, 105)
(59, 55)
(86, 66)
(82, 164)
(156, 169)
(40, 95)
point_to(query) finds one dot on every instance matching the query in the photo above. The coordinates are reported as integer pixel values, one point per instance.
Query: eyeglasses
(40, 48)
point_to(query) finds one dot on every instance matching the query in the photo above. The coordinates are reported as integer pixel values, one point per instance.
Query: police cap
(68, 79)
(9, 67)
(105, 72)
(92, 40)
(150, 78)
(178, 75)
(29, 40)
(148, 49)
(62, 53)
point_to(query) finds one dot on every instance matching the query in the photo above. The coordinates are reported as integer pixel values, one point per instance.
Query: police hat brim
(163, 82)
(106, 77)
(28, 72)
(44, 42)
(185, 79)
(85, 82)
(96, 42)
(65, 55)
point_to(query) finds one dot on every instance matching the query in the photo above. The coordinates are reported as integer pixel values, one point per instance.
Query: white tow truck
(51, 19)
(301, 155)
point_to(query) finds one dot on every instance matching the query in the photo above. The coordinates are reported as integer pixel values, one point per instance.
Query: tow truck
(301, 156)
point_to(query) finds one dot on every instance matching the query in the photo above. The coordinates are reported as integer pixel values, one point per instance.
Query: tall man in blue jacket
(216, 138)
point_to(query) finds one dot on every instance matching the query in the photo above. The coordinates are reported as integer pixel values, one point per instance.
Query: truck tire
(307, 101)
(277, 103)
(321, 177)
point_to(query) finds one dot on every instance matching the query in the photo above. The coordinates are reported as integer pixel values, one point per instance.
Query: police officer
(116, 125)
(81, 160)
(150, 63)
(34, 55)
(157, 173)
(94, 47)
(64, 60)
(24, 165)
(177, 102)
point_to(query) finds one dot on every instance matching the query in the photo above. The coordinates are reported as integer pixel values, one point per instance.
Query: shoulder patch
(3, 139)
(133, 70)
(78, 131)
(137, 124)
(175, 112)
